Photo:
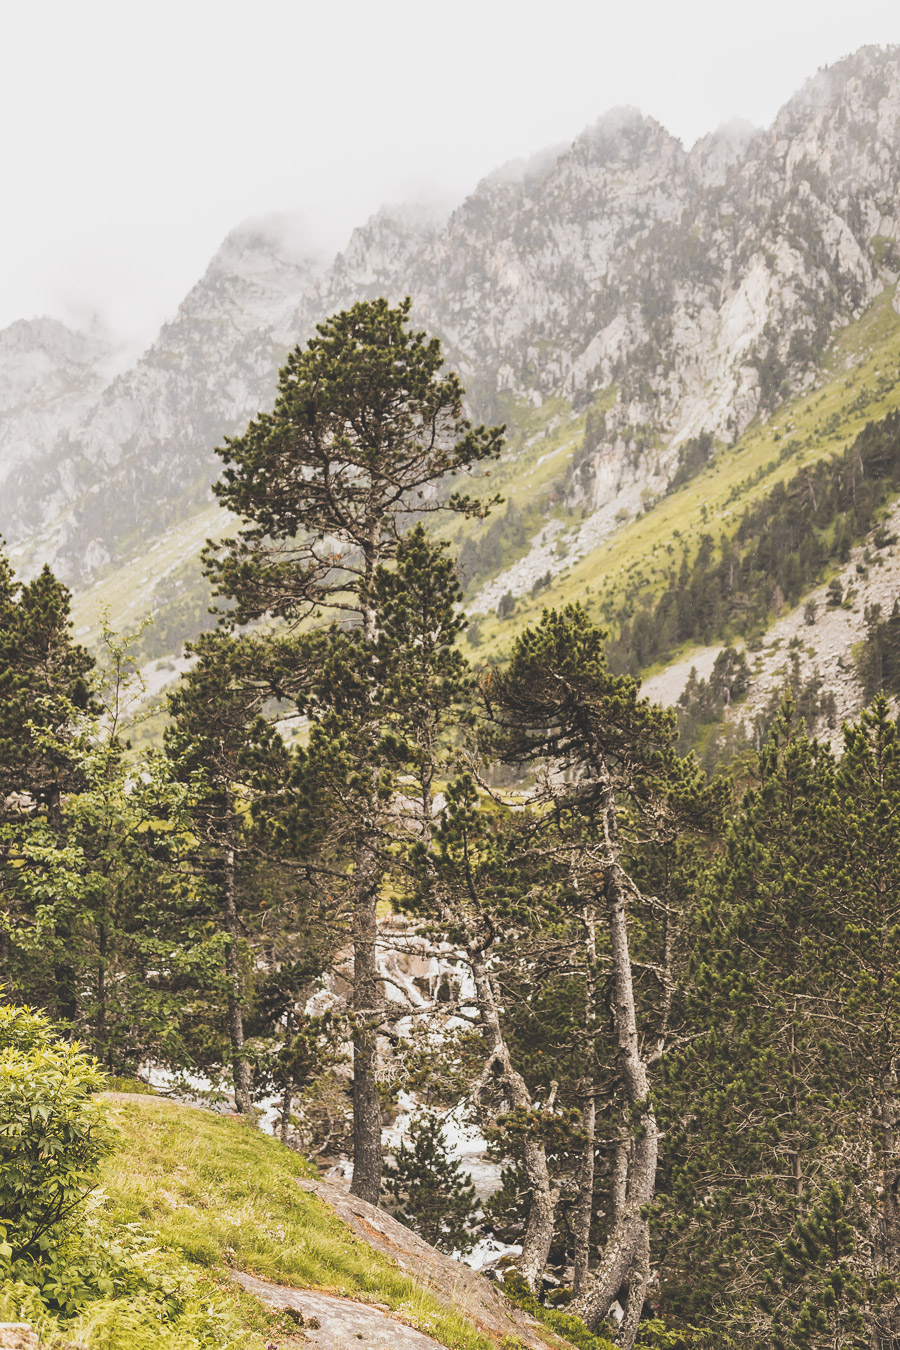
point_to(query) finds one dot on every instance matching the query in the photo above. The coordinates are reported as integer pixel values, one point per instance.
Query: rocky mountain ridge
(683, 292)
(50, 376)
(140, 456)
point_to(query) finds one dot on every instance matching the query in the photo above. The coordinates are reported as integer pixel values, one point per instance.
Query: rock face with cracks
(452, 1284)
(695, 290)
(335, 1323)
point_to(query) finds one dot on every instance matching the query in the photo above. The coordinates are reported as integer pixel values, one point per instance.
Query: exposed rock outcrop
(452, 1284)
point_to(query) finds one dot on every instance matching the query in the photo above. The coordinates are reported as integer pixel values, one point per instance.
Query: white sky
(136, 134)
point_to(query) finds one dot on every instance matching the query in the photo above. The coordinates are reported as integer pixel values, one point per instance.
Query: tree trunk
(544, 1196)
(584, 1206)
(284, 1122)
(628, 1233)
(620, 1176)
(637, 1289)
(100, 1048)
(366, 1103)
(64, 977)
(239, 1066)
(287, 1094)
(367, 1154)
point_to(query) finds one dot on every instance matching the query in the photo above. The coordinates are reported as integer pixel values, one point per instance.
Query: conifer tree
(91, 889)
(44, 681)
(474, 881)
(366, 430)
(218, 739)
(44, 686)
(603, 748)
(429, 1190)
(753, 1092)
(782, 1113)
(363, 785)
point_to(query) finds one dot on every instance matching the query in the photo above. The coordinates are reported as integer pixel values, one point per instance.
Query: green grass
(221, 1194)
(861, 382)
(858, 383)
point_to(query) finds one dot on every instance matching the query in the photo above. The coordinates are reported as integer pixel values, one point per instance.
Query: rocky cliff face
(49, 378)
(142, 452)
(702, 287)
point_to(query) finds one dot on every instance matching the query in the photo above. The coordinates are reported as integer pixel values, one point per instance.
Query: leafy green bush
(53, 1137)
(156, 1303)
(59, 1260)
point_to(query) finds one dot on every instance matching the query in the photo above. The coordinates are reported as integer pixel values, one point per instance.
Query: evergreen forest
(666, 992)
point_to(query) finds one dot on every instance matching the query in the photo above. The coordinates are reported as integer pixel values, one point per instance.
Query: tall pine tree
(366, 431)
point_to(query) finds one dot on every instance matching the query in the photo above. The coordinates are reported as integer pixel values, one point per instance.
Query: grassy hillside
(224, 1195)
(188, 1196)
(858, 383)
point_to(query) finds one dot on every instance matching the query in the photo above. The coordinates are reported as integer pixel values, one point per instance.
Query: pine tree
(44, 683)
(93, 888)
(379, 716)
(429, 1190)
(474, 880)
(365, 432)
(218, 740)
(557, 705)
(813, 1293)
(784, 1109)
(44, 687)
(750, 1096)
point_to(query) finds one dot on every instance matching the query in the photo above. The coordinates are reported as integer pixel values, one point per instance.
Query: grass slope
(221, 1195)
(860, 382)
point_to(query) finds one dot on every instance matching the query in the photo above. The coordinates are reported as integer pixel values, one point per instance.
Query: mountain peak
(622, 133)
(852, 87)
(713, 155)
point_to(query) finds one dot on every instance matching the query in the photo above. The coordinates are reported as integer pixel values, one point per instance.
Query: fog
(137, 136)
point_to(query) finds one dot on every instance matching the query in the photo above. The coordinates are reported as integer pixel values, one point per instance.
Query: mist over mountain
(687, 292)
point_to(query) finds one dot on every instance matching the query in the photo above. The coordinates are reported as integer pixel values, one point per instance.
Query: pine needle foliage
(429, 1190)
(366, 428)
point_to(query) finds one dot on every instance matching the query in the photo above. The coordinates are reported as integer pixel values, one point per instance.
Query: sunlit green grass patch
(222, 1194)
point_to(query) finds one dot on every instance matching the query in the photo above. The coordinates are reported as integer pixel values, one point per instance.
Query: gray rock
(338, 1323)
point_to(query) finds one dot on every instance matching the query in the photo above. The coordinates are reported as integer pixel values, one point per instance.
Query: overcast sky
(136, 134)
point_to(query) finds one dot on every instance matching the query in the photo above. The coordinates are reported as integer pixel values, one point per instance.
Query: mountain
(50, 376)
(638, 313)
(140, 456)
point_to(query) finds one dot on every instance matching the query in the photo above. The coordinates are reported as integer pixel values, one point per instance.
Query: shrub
(574, 1330)
(834, 593)
(53, 1137)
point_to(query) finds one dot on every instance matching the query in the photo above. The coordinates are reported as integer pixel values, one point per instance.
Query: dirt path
(342, 1323)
